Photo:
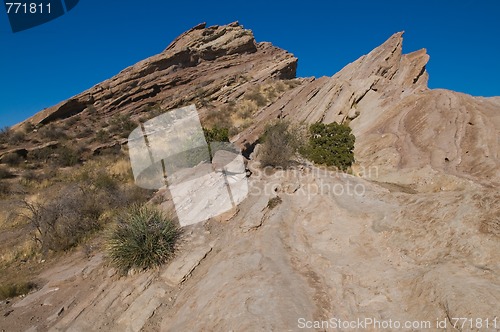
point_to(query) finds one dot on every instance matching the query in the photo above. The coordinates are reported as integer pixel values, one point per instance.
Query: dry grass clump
(5, 189)
(63, 222)
(89, 196)
(12, 159)
(16, 289)
(280, 143)
(4, 173)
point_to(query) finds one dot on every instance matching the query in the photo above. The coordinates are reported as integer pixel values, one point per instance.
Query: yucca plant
(144, 237)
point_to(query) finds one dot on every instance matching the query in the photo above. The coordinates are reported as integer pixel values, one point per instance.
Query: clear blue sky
(97, 39)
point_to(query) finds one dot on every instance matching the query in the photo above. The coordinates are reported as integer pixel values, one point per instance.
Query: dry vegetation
(53, 200)
(238, 115)
(59, 191)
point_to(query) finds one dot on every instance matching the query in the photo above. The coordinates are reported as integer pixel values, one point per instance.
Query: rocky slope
(414, 235)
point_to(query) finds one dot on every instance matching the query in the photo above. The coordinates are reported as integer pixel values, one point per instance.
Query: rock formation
(219, 62)
(413, 235)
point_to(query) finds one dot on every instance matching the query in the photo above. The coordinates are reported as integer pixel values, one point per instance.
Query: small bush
(63, 222)
(28, 127)
(257, 97)
(52, 132)
(12, 159)
(91, 109)
(104, 181)
(274, 202)
(102, 136)
(216, 134)
(121, 125)
(143, 238)
(16, 137)
(4, 173)
(280, 87)
(220, 117)
(4, 189)
(73, 120)
(331, 144)
(4, 134)
(280, 145)
(30, 175)
(246, 109)
(40, 155)
(85, 132)
(293, 83)
(212, 135)
(65, 157)
(13, 290)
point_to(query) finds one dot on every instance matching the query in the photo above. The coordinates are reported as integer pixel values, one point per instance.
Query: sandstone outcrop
(219, 62)
(412, 236)
(402, 126)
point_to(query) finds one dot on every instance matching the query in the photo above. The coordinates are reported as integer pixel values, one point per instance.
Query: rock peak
(218, 40)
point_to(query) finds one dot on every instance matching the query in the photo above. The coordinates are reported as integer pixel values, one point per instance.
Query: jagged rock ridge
(402, 127)
(201, 62)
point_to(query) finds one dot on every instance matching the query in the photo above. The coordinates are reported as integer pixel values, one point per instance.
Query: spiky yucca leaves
(143, 238)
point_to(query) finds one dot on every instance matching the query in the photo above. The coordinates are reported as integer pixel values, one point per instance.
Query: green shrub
(280, 143)
(40, 155)
(143, 238)
(330, 144)
(105, 181)
(102, 136)
(216, 134)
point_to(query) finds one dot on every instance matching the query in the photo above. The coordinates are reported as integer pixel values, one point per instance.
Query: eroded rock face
(219, 61)
(401, 126)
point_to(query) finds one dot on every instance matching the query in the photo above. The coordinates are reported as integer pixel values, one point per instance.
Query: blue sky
(50, 63)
